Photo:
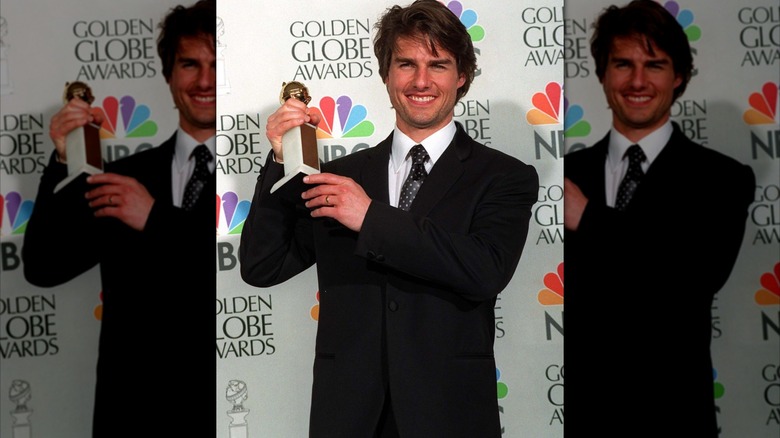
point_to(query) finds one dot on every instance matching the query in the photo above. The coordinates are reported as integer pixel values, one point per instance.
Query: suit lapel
(666, 167)
(594, 185)
(162, 173)
(374, 173)
(670, 155)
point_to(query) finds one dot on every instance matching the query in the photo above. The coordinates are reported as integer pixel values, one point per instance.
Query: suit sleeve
(475, 260)
(694, 239)
(277, 241)
(60, 237)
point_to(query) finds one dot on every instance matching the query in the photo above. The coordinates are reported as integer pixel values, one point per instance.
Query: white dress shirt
(616, 165)
(401, 163)
(183, 163)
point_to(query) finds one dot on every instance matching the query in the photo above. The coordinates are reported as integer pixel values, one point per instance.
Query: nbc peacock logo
(340, 118)
(552, 294)
(763, 106)
(125, 118)
(546, 111)
(469, 19)
(17, 212)
(574, 124)
(501, 392)
(235, 212)
(717, 386)
(685, 19)
(314, 312)
(769, 293)
(547, 105)
(501, 388)
(97, 312)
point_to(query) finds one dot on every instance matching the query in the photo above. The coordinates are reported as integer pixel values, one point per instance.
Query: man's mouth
(204, 99)
(421, 99)
(638, 99)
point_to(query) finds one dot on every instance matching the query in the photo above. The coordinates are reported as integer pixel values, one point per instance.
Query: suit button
(392, 305)
(374, 256)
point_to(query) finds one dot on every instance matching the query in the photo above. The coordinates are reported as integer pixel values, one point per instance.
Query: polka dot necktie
(200, 175)
(634, 174)
(415, 178)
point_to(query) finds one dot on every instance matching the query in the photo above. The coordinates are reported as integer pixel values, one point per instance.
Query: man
(155, 252)
(406, 325)
(640, 278)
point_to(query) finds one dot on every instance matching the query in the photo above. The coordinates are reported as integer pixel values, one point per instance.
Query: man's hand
(293, 113)
(337, 197)
(74, 114)
(574, 202)
(121, 197)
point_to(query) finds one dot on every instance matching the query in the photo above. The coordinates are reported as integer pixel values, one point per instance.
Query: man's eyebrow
(437, 61)
(657, 60)
(441, 61)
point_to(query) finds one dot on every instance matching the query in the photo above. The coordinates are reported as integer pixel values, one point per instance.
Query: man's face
(193, 86)
(422, 87)
(639, 87)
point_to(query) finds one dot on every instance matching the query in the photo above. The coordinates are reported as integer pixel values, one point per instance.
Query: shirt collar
(185, 144)
(651, 144)
(434, 144)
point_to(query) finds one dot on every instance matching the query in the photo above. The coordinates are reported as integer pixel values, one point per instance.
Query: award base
(21, 427)
(238, 426)
(300, 159)
(84, 153)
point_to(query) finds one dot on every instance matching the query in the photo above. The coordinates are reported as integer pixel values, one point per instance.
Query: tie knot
(202, 154)
(419, 154)
(635, 154)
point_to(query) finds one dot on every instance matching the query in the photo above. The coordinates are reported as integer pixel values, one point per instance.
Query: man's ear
(678, 80)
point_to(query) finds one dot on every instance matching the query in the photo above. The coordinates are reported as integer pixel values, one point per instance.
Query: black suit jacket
(406, 305)
(158, 288)
(639, 289)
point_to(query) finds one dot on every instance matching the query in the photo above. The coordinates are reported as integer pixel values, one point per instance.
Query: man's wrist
(59, 159)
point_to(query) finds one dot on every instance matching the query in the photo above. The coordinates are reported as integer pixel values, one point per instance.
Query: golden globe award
(82, 145)
(299, 147)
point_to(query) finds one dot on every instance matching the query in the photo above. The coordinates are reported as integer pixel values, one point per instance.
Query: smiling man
(407, 283)
(653, 226)
(154, 242)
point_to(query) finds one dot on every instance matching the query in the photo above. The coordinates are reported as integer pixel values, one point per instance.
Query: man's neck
(420, 134)
(635, 134)
(199, 134)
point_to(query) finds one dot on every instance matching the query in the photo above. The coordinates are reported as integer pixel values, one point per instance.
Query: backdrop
(265, 337)
(48, 336)
(730, 105)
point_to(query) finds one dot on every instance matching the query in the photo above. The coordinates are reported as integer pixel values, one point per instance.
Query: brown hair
(198, 20)
(649, 22)
(433, 22)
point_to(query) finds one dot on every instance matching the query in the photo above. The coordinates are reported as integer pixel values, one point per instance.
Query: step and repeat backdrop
(730, 105)
(265, 337)
(48, 336)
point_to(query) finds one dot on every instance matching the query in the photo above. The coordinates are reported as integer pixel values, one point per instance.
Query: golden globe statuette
(299, 147)
(82, 145)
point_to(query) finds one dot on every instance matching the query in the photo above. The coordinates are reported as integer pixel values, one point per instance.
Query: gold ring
(327, 199)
